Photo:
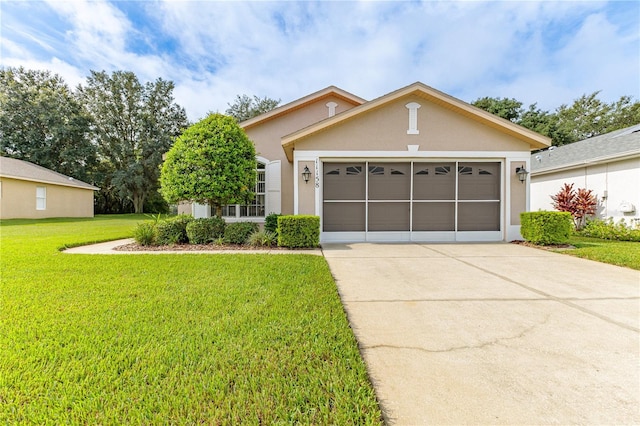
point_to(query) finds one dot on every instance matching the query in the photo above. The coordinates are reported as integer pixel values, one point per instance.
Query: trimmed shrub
(299, 231)
(608, 230)
(239, 232)
(546, 227)
(173, 230)
(145, 234)
(262, 238)
(205, 230)
(271, 223)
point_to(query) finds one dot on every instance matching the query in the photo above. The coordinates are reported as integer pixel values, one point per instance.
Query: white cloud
(545, 52)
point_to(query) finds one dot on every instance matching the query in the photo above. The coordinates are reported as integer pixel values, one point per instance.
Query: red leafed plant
(581, 203)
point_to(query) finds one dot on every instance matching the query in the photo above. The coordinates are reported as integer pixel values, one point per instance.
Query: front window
(256, 207)
(41, 198)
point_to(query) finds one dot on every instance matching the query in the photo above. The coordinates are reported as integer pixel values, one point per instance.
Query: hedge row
(291, 231)
(546, 227)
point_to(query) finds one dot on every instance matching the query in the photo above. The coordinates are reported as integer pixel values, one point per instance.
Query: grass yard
(621, 253)
(177, 339)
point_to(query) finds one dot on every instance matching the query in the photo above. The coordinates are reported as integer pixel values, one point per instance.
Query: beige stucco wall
(267, 139)
(306, 190)
(18, 200)
(518, 192)
(385, 129)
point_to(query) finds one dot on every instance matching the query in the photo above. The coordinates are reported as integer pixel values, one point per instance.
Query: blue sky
(549, 52)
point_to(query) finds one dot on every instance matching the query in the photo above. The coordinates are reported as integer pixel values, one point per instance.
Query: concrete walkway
(109, 248)
(493, 333)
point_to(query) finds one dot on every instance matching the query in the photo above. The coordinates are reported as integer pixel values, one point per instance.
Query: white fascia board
(583, 163)
(300, 155)
(49, 182)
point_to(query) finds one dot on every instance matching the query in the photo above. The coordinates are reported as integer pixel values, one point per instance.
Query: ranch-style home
(413, 165)
(28, 191)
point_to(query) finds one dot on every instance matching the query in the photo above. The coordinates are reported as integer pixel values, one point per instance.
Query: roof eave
(299, 103)
(50, 182)
(535, 140)
(593, 162)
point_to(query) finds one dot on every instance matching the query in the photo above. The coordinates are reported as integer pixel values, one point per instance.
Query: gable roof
(535, 140)
(616, 145)
(23, 170)
(302, 102)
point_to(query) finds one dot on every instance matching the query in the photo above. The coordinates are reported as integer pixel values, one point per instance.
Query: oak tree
(133, 125)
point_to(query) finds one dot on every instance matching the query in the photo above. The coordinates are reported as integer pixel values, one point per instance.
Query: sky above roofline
(544, 52)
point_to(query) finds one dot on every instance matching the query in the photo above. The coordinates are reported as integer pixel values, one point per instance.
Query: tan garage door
(420, 196)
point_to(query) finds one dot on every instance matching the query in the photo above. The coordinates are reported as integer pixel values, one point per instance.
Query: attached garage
(411, 200)
(413, 165)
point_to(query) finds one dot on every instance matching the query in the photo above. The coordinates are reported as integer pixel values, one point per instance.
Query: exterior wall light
(306, 174)
(522, 173)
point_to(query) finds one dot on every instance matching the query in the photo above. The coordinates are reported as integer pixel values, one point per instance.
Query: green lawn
(179, 339)
(621, 253)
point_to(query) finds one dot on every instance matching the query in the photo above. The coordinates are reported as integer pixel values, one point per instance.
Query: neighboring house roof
(616, 145)
(302, 102)
(535, 140)
(23, 170)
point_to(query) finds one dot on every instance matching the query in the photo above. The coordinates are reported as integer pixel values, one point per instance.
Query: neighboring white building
(609, 165)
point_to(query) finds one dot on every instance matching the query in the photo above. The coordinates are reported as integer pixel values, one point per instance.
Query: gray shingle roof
(23, 170)
(610, 146)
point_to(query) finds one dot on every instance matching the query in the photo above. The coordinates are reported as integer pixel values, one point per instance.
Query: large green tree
(588, 116)
(213, 162)
(134, 124)
(509, 109)
(42, 121)
(246, 107)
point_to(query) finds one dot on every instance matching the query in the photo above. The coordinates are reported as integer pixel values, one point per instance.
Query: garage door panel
(479, 216)
(388, 216)
(344, 181)
(389, 181)
(434, 216)
(342, 217)
(434, 181)
(479, 181)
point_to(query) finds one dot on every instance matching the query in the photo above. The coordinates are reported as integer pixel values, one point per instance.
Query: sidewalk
(109, 248)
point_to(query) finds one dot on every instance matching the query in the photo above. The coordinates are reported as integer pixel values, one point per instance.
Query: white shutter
(201, 210)
(273, 183)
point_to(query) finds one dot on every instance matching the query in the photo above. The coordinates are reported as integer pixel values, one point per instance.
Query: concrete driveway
(493, 333)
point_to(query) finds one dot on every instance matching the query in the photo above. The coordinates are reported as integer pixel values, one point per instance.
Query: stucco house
(29, 191)
(608, 164)
(413, 165)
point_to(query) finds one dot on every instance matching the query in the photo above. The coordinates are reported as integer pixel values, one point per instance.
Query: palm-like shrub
(581, 203)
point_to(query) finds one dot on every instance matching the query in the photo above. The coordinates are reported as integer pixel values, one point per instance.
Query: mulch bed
(193, 247)
(549, 247)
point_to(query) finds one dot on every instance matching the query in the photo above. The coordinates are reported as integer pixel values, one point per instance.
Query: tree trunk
(138, 203)
(218, 210)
